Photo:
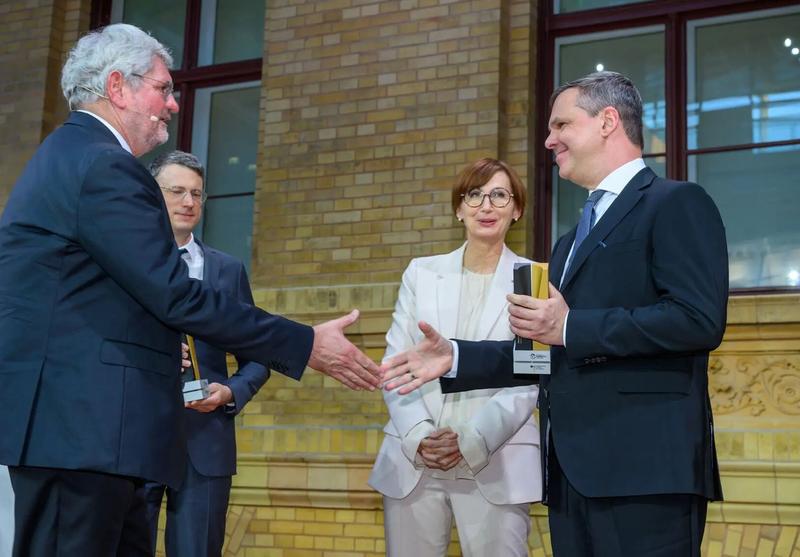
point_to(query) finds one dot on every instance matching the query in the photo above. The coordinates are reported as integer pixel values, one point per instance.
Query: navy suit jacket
(92, 295)
(211, 436)
(627, 402)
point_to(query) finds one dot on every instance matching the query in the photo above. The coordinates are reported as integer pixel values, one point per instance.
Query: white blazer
(500, 443)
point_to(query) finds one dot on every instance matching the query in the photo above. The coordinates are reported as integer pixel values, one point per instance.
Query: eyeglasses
(177, 192)
(166, 88)
(498, 197)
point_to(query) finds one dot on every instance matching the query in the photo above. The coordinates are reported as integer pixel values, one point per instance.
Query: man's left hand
(219, 395)
(540, 320)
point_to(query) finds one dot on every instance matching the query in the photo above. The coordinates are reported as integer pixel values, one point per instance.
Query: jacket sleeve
(494, 424)
(250, 376)
(123, 225)
(408, 413)
(690, 270)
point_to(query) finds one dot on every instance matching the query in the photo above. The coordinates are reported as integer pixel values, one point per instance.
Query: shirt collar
(192, 247)
(617, 180)
(118, 135)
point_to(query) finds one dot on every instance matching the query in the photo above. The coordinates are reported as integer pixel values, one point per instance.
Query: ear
(115, 89)
(610, 120)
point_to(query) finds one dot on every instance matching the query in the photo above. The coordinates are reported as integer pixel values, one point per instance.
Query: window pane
(226, 128)
(569, 198)
(164, 20)
(641, 58)
(756, 192)
(563, 6)
(231, 30)
(228, 226)
(745, 83)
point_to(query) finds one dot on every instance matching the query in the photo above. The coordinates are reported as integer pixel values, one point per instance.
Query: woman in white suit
(474, 456)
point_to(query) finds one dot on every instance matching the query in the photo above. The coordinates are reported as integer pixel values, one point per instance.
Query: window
(217, 47)
(720, 83)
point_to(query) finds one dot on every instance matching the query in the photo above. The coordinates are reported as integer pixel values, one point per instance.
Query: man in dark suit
(196, 511)
(627, 433)
(93, 294)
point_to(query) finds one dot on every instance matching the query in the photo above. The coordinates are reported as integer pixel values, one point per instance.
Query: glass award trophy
(194, 388)
(530, 358)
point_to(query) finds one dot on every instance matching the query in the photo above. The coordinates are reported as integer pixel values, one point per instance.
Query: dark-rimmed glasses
(166, 88)
(498, 197)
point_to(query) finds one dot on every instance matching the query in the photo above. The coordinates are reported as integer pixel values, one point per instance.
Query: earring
(516, 219)
(460, 219)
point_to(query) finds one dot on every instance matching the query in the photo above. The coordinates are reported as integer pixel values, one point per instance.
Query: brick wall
(34, 39)
(369, 110)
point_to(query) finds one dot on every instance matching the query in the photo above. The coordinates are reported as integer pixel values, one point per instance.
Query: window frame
(675, 16)
(188, 76)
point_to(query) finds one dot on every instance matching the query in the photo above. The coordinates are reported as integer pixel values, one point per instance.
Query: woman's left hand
(440, 449)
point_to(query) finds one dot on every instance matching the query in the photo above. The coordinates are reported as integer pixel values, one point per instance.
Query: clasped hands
(440, 450)
(533, 318)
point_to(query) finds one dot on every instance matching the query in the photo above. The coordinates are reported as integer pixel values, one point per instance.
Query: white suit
(500, 442)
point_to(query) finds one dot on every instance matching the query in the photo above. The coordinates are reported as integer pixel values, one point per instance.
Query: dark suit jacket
(211, 436)
(627, 401)
(92, 295)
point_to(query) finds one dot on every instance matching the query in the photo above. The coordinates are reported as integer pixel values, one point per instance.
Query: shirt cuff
(410, 443)
(564, 331)
(453, 370)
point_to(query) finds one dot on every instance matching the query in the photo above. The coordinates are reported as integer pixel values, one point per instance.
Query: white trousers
(419, 524)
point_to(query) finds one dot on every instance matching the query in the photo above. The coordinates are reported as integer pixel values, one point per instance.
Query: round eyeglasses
(498, 197)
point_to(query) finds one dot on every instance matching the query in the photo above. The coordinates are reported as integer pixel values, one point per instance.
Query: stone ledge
(297, 480)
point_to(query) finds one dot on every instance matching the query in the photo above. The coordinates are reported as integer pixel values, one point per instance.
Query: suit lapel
(619, 208)
(501, 284)
(447, 291)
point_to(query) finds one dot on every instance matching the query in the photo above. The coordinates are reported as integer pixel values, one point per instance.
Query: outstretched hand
(428, 360)
(337, 357)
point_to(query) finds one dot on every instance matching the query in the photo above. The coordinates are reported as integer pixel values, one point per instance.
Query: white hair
(118, 47)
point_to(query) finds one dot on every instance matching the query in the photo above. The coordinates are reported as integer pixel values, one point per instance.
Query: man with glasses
(93, 294)
(196, 510)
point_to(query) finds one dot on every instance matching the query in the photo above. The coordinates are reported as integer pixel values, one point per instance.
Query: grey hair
(118, 47)
(181, 158)
(598, 90)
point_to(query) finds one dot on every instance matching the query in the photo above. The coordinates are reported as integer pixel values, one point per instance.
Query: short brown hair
(479, 173)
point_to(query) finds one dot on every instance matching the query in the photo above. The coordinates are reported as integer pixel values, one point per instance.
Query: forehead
(566, 104)
(498, 180)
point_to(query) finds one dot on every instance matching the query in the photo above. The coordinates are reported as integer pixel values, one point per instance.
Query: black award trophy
(530, 358)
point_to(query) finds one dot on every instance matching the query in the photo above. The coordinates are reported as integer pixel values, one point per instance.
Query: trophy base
(195, 390)
(529, 363)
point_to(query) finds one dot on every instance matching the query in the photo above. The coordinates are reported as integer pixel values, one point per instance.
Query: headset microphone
(154, 118)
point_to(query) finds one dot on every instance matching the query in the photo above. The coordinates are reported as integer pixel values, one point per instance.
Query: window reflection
(756, 196)
(743, 82)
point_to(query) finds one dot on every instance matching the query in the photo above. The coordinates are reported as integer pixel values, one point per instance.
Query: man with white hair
(93, 293)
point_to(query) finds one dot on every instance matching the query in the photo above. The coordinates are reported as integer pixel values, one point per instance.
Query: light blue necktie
(585, 224)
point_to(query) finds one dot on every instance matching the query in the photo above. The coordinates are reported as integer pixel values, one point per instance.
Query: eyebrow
(554, 122)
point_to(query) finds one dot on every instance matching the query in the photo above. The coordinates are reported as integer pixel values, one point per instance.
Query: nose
(486, 202)
(550, 141)
(172, 104)
(188, 200)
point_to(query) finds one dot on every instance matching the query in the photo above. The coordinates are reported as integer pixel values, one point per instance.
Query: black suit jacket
(627, 402)
(211, 436)
(92, 295)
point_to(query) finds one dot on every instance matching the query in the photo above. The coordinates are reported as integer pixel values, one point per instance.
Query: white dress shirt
(193, 258)
(118, 135)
